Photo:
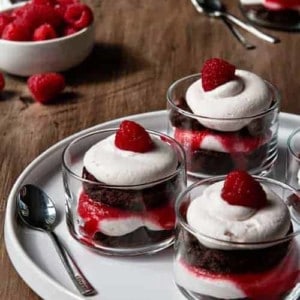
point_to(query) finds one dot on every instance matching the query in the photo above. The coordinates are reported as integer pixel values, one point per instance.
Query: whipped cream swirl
(245, 96)
(213, 217)
(114, 166)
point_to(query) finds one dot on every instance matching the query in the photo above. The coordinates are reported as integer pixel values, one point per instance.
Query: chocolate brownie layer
(218, 163)
(133, 200)
(229, 261)
(139, 237)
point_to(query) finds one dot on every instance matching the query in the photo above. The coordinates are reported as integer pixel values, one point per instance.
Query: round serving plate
(128, 278)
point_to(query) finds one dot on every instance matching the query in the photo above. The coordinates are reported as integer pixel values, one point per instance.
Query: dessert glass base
(120, 219)
(216, 146)
(293, 159)
(207, 268)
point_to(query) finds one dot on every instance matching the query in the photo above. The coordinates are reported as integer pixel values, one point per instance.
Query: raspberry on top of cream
(238, 210)
(226, 93)
(130, 157)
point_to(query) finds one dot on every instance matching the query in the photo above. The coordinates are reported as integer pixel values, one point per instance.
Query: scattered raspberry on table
(46, 87)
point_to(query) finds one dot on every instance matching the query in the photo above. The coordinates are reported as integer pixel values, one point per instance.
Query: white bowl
(55, 55)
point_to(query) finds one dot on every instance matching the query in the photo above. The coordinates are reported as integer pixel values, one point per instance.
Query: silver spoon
(236, 33)
(214, 8)
(37, 211)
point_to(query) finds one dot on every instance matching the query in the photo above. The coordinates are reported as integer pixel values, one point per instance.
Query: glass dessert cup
(114, 219)
(282, 19)
(293, 159)
(211, 152)
(210, 268)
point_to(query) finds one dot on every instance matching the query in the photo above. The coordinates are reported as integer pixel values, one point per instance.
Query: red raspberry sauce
(260, 286)
(232, 142)
(93, 213)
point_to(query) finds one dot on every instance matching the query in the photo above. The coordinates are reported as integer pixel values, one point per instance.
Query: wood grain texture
(141, 48)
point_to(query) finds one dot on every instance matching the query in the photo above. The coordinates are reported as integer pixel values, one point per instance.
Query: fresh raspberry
(18, 12)
(216, 72)
(2, 82)
(67, 2)
(16, 32)
(37, 15)
(133, 137)
(69, 30)
(61, 6)
(78, 15)
(43, 2)
(5, 19)
(240, 188)
(45, 87)
(44, 32)
(60, 9)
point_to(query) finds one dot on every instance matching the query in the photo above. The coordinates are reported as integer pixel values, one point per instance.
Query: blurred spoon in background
(214, 8)
(238, 35)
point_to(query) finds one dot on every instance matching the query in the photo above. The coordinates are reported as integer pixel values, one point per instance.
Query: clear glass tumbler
(116, 219)
(208, 268)
(293, 159)
(212, 146)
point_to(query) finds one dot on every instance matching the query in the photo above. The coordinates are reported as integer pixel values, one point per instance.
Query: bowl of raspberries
(45, 36)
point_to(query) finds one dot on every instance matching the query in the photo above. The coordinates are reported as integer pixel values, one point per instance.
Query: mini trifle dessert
(236, 239)
(121, 185)
(293, 159)
(277, 14)
(225, 119)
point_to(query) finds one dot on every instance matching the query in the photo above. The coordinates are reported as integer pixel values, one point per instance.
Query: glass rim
(275, 101)
(179, 167)
(289, 142)
(180, 219)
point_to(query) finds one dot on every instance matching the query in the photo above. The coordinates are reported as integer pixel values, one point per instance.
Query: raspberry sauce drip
(270, 284)
(93, 213)
(231, 142)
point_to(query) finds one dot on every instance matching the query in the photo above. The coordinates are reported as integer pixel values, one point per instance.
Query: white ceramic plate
(136, 278)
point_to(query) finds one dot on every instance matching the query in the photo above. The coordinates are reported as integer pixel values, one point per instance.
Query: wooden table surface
(141, 47)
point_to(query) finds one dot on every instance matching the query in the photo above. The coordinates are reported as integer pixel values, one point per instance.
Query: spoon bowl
(209, 7)
(37, 210)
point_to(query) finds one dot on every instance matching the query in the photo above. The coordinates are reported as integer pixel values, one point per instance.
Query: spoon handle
(264, 36)
(238, 35)
(82, 284)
